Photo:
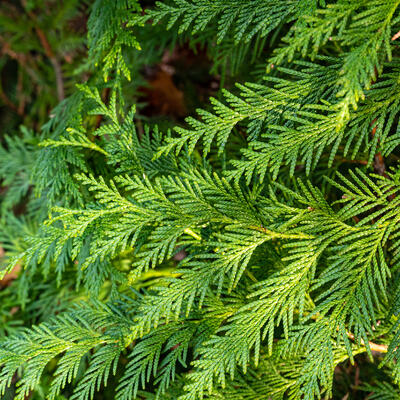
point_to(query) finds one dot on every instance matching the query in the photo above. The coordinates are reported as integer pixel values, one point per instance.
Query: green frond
(242, 19)
(251, 252)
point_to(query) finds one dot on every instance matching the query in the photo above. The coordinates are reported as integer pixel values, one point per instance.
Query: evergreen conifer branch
(239, 255)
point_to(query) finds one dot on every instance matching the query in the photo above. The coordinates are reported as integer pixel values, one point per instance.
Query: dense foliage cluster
(248, 252)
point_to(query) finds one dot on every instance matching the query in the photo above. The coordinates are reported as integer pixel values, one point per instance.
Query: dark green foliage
(249, 253)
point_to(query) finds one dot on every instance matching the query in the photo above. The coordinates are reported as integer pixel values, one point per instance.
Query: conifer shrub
(248, 252)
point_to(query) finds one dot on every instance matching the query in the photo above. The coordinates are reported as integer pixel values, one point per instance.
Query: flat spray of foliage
(281, 198)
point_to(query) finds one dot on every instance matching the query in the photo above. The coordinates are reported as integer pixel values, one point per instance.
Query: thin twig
(396, 36)
(50, 55)
(53, 59)
(8, 102)
(380, 348)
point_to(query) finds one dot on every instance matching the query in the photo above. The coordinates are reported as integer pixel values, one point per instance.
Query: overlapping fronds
(246, 254)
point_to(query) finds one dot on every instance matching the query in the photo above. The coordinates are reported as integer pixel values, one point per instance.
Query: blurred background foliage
(44, 53)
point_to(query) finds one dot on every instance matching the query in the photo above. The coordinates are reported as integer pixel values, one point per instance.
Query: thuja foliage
(248, 252)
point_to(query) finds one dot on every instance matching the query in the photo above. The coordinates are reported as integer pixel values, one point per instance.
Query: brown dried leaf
(8, 278)
(163, 97)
